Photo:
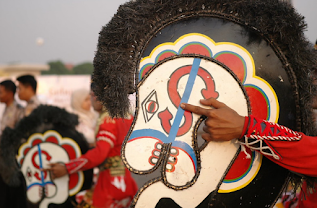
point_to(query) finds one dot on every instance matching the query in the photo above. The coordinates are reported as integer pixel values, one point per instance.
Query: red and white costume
(290, 149)
(115, 187)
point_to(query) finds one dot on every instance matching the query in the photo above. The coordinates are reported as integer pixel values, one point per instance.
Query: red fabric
(307, 200)
(74, 165)
(245, 126)
(299, 156)
(296, 155)
(290, 200)
(109, 189)
(270, 131)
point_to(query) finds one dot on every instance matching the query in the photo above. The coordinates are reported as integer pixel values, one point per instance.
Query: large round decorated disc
(181, 52)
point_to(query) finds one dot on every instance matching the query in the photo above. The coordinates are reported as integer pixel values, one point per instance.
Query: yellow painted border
(245, 184)
(216, 44)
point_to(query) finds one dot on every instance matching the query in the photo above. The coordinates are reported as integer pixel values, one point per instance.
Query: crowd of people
(105, 136)
(114, 185)
(26, 90)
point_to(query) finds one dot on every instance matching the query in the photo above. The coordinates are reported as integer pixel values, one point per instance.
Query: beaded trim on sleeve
(259, 131)
(258, 145)
(75, 165)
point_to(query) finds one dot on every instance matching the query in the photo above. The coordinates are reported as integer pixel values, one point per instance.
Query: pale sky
(69, 28)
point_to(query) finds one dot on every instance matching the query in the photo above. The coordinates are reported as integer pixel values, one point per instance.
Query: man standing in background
(14, 197)
(13, 111)
(27, 92)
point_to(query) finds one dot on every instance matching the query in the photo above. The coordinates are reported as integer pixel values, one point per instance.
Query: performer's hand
(57, 170)
(222, 123)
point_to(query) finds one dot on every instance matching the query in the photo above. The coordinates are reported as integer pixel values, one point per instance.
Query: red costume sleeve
(106, 138)
(289, 149)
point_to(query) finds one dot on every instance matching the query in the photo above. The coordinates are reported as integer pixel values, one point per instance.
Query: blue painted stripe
(41, 164)
(187, 149)
(185, 98)
(149, 133)
(162, 137)
(39, 184)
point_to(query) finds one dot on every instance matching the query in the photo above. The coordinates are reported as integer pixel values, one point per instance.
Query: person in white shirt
(81, 105)
(27, 91)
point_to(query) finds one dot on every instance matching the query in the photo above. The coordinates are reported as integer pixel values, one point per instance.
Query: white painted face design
(161, 120)
(40, 187)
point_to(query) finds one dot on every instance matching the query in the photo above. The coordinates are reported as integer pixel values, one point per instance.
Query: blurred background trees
(60, 68)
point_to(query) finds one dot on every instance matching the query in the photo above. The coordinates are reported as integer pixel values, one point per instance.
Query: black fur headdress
(123, 40)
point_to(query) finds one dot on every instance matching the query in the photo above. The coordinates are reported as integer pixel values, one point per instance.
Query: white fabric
(87, 119)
